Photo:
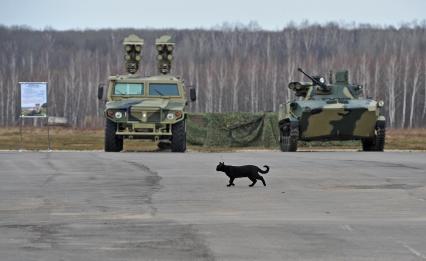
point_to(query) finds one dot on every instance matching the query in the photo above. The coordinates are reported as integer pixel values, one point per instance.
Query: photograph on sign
(33, 99)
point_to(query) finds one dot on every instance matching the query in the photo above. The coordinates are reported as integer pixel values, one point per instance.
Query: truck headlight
(170, 116)
(118, 115)
(380, 104)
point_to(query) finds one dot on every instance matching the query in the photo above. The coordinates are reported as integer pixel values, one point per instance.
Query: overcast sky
(269, 14)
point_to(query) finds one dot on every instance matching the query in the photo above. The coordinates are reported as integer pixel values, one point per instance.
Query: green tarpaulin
(233, 129)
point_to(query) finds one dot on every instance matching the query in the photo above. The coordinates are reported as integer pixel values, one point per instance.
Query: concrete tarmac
(173, 206)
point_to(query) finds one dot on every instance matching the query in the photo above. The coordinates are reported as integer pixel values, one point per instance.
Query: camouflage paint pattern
(337, 120)
(144, 114)
(337, 113)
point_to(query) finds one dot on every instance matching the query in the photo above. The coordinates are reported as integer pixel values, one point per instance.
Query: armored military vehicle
(333, 111)
(146, 107)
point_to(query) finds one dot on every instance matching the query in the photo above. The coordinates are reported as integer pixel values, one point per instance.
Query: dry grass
(411, 139)
(396, 139)
(61, 139)
(74, 139)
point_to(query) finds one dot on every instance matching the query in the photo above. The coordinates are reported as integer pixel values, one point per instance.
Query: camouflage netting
(233, 130)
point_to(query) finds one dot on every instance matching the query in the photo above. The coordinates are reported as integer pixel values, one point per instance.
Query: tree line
(233, 69)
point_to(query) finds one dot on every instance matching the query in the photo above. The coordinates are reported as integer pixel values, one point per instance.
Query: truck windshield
(128, 89)
(163, 89)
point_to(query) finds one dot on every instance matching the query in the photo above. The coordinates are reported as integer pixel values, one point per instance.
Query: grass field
(75, 139)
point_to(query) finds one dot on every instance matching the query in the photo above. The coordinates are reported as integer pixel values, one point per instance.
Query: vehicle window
(128, 89)
(163, 89)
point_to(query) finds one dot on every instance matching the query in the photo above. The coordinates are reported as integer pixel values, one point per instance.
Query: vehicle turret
(333, 111)
(317, 80)
(165, 48)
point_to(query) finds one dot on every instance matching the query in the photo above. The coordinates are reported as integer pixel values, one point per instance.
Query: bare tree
(414, 90)
(235, 84)
(233, 69)
(391, 76)
(404, 96)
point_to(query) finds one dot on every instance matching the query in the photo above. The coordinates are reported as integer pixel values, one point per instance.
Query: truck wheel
(178, 142)
(113, 143)
(289, 136)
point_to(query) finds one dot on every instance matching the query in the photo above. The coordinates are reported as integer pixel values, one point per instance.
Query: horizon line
(239, 26)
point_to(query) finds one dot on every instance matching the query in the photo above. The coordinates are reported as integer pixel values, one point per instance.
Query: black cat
(247, 171)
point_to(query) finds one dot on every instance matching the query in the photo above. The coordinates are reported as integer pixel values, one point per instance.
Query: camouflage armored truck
(333, 111)
(146, 107)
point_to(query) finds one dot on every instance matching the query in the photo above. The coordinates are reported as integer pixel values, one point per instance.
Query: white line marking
(347, 227)
(413, 251)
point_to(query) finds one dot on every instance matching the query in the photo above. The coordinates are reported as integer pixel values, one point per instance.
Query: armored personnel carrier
(146, 107)
(333, 111)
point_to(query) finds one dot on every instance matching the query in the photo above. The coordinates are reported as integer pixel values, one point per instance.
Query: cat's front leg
(231, 182)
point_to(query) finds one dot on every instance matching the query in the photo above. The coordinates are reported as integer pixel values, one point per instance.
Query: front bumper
(137, 129)
(144, 122)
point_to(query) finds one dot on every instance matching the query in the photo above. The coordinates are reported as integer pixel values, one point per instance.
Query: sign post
(34, 104)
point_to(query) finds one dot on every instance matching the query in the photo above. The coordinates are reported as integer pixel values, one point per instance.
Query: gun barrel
(323, 85)
(307, 75)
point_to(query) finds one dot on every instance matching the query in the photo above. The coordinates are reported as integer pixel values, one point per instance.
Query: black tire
(113, 143)
(367, 144)
(377, 143)
(178, 141)
(289, 135)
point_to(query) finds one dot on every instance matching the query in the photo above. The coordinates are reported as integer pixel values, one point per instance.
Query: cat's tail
(264, 171)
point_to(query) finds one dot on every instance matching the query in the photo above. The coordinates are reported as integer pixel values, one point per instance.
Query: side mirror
(100, 91)
(192, 94)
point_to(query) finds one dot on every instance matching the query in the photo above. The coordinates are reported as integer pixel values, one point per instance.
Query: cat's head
(220, 166)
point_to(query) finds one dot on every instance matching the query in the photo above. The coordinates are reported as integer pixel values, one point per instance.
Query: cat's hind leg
(252, 180)
(262, 179)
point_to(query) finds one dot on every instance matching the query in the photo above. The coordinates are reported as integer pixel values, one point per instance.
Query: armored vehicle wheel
(113, 143)
(367, 144)
(178, 143)
(289, 136)
(377, 143)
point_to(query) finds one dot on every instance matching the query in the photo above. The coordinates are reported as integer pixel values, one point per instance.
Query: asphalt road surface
(171, 206)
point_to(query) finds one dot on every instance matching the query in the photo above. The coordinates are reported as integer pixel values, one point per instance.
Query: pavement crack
(52, 176)
(152, 180)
